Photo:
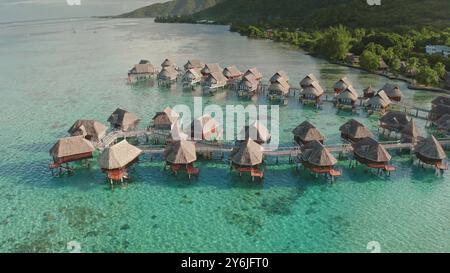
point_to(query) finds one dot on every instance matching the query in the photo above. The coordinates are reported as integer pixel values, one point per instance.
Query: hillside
(171, 8)
(323, 13)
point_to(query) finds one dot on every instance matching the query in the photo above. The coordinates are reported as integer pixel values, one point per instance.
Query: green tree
(427, 75)
(440, 69)
(369, 60)
(396, 65)
(335, 44)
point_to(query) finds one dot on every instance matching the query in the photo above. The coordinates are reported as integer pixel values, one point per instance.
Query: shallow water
(55, 72)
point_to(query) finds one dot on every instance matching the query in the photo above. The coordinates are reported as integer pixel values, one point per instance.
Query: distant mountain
(324, 13)
(171, 8)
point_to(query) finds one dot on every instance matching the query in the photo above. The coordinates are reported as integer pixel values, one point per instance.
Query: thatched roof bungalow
(318, 159)
(378, 102)
(393, 91)
(354, 131)
(341, 85)
(232, 72)
(123, 120)
(191, 76)
(255, 72)
(216, 79)
(306, 132)
(248, 86)
(180, 155)
(443, 123)
(194, 63)
(308, 80)
(211, 68)
(90, 129)
(144, 69)
(394, 121)
(115, 160)
(312, 93)
(168, 74)
(168, 63)
(71, 149)
(279, 88)
(438, 111)
(205, 128)
(279, 75)
(431, 152)
(370, 152)
(369, 92)
(247, 154)
(165, 120)
(410, 133)
(256, 131)
(348, 97)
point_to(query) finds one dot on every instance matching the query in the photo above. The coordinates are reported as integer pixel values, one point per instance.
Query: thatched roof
(355, 129)
(144, 68)
(307, 132)
(430, 148)
(192, 74)
(91, 129)
(217, 77)
(168, 73)
(394, 119)
(256, 131)
(180, 152)
(441, 100)
(316, 154)
(168, 63)
(411, 130)
(255, 72)
(250, 82)
(342, 83)
(443, 122)
(212, 68)
(279, 86)
(118, 156)
(249, 153)
(308, 80)
(440, 110)
(70, 146)
(169, 114)
(380, 99)
(231, 72)
(279, 75)
(369, 90)
(371, 150)
(123, 119)
(348, 94)
(392, 90)
(314, 89)
(194, 63)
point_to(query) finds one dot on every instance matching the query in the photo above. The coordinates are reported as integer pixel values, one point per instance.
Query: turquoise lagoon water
(54, 72)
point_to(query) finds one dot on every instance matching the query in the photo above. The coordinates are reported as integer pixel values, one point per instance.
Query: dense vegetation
(171, 8)
(403, 53)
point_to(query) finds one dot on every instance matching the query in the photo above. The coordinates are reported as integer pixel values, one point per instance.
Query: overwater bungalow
(371, 153)
(123, 120)
(443, 124)
(369, 92)
(306, 133)
(180, 156)
(215, 80)
(165, 120)
(256, 131)
(278, 76)
(393, 121)
(70, 149)
(393, 91)
(232, 73)
(354, 131)
(347, 98)
(205, 128)
(247, 158)
(168, 63)
(312, 94)
(308, 80)
(380, 102)
(191, 77)
(410, 133)
(438, 111)
(341, 85)
(90, 129)
(194, 64)
(429, 151)
(279, 90)
(317, 158)
(116, 160)
(255, 72)
(248, 86)
(142, 71)
(441, 100)
(211, 68)
(167, 75)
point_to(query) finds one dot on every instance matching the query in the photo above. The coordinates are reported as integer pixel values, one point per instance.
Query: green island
(397, 39)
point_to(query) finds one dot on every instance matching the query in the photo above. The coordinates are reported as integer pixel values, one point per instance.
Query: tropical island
(406, 40)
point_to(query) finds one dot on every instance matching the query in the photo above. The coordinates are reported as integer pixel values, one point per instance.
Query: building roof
(193, 63)
(85, 127)
(314, 89)
(430, 148)
(249, 153)
(279, 75)
(307, 132)
(168, 63)
(308, 80)
(355, 129)
(316, 154)
(370, 149)
(395, 119)
(172, 116)
(443, 122)
(180, 152)
(280, 85)
(392, 90)
(411, 129)
(212, 68)
(348, 94)
(123, 119)
(441, 100)
(70, 146)
(342, 83)
(255, 72)
(232, 71)
(118, 156)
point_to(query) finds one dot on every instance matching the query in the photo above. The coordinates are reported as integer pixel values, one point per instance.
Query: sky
(23, 10)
